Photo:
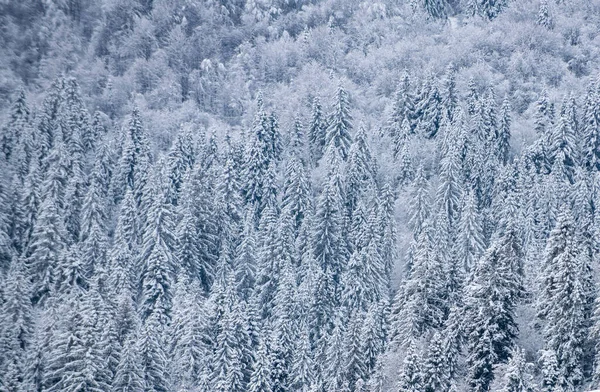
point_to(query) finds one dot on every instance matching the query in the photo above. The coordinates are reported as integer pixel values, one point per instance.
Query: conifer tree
(188, 348)
(450, 95)
(422, 300)
(516, 377)
(420, 202)
(429, 108)
(563, 145)
(158, 255)
(591, 131)
(302, 374)
(360, 170)
(181, 158)
(354, 364)
(260, 381)
(128, 375)
(436, 375)
(544, 17)
(564, 301)
(296, 195)
(503, 137)
(150, 349)
(493, 295)
(329, 247)
(400, 124)
(411, 379)
(471, 242)
(339, 124)
(317, 130)
(134, 163)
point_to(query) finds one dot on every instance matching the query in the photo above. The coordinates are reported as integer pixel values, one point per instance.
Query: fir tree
(152, 357)
(339, 124)
(128, 375)
(429, 105)
(157, 256)
(516, 378)
(591, 131)
(544, 17)
(316, 131)
(400, 122)
(411, 379)
(436, 376)
(493, 294)
(296, 196)
(564, 301)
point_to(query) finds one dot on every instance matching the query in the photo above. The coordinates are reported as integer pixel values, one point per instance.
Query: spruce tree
(564, 301)
(591, 131)
(316, 131)
(411, 378)
(436, 376)
(516, 377)
(152, 357)
(157, 255)
(339, 124)
(400, 122)
(493, 294)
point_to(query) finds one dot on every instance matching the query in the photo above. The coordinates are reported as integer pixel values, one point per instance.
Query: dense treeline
(273, 195)
(225, 266)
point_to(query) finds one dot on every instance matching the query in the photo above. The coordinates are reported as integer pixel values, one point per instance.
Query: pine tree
(75, 361)
(284, 333)
(228, 355)
(543, 115)
(49, 124)
(429, 108)
(296, 195)
(93, 234)
(354, 362)
(339, 124)
(436, 376)
(472, 97)
(450, 95)
(128, 375)
(400, 122)
(316, 131)
(544, 17)
(516, 378)
(188, 348)
(48, 238)
(503, 138)
(563, 144)
(471, 242)
(422, 300)
(258, 157)
(360, 171)
(150, 349)
(158, 255)
(329, 247)
(181, 158)
(302, 373)
(17, 126)
(450, 190)
(591, 131)
(564, 300)
(134, 162)
(420, 204)
(411, 379)
(15, 326)
(493, 295)
(260, 381)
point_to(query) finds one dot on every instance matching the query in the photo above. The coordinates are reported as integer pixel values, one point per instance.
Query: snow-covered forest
(299, 195)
